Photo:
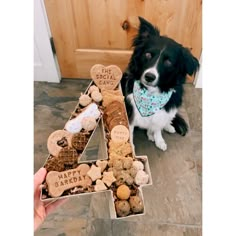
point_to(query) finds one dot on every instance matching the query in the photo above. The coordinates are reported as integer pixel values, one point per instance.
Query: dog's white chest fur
(154, 123)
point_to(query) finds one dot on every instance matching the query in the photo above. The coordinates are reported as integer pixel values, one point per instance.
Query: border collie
(153, 83)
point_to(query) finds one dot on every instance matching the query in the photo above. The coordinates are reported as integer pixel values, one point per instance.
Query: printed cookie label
(58, 182)
(106, 77)
(120, 133)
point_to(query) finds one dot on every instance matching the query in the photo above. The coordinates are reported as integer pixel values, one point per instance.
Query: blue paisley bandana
(147, 103)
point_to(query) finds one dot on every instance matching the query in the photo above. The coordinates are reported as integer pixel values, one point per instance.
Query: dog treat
(106, 77)
(122, 208)
(85, 100)
(68, 155)
(92, 89)
(120, 148)
(122, 178)
(110, 96)
(75, 126)
(102, 164)
(94, 173)
(123, 192)
(100, 186)
(56, 140)
(108, 178)
(58, 182)
(127, 162)
(141, 177)
(138, 165)
(96, 96)
(54, 164)
(133, 171)
(80, 140)
(136, 204)
(120, 133)
(83, 169)
(89, 123)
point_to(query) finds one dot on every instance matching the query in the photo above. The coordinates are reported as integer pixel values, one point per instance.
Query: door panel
(87, 32)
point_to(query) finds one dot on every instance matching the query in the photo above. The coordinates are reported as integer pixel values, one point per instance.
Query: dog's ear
(191, 64)
(146, 30)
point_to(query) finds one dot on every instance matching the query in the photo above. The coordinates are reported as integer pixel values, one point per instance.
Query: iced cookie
(100, 186)
(94, 173)
(108, 178)
(57, 140)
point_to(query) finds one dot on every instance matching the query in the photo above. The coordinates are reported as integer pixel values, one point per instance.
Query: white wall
(45, 63)
(198, 80)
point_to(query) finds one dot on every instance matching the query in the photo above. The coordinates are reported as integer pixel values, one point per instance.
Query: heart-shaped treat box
(106, 77)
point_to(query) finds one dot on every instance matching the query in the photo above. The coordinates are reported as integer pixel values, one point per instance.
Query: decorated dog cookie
(58, 182)
(57, 139)
(120, 133)
(75, 125)
(106, 77)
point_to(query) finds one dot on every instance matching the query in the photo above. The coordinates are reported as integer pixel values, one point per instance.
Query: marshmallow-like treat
(96, 96)
(138, 165)
(85, 100)
(88, 123)
(92, 89)
(141, 177)
(74, 125)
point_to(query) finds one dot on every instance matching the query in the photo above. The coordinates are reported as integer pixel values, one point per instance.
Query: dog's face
(158, 61)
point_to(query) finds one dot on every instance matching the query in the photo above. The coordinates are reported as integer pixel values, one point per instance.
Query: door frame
(46, 67)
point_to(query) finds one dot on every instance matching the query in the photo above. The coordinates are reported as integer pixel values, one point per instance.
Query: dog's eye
(167, 63)
(148, 55)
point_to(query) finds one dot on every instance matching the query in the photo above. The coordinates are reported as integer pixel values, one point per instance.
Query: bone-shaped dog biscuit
(58, 182)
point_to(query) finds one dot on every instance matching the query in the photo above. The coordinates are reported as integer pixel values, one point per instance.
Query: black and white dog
(153, 83)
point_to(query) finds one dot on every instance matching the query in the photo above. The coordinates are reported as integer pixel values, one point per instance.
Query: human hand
(42, 209)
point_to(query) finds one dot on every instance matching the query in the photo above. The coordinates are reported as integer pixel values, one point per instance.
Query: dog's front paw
(150, 135)
(170, 129)
(161, 144)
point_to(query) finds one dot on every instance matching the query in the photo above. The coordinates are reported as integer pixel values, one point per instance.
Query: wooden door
(87, 32)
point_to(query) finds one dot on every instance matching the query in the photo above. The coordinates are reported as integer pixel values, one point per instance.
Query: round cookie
(68, 156)
(136, 204)
(123, 192)
(54, 164)
(80, 140)
(54, 140)
(122, 208)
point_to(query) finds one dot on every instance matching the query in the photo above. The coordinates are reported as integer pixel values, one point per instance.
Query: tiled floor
(173, 203)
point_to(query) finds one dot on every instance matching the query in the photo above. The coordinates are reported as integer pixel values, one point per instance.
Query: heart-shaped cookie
(106, 77)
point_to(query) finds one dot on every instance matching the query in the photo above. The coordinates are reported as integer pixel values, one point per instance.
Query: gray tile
(173, 203)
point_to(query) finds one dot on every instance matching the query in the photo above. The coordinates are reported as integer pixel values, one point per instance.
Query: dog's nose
(149, 77)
